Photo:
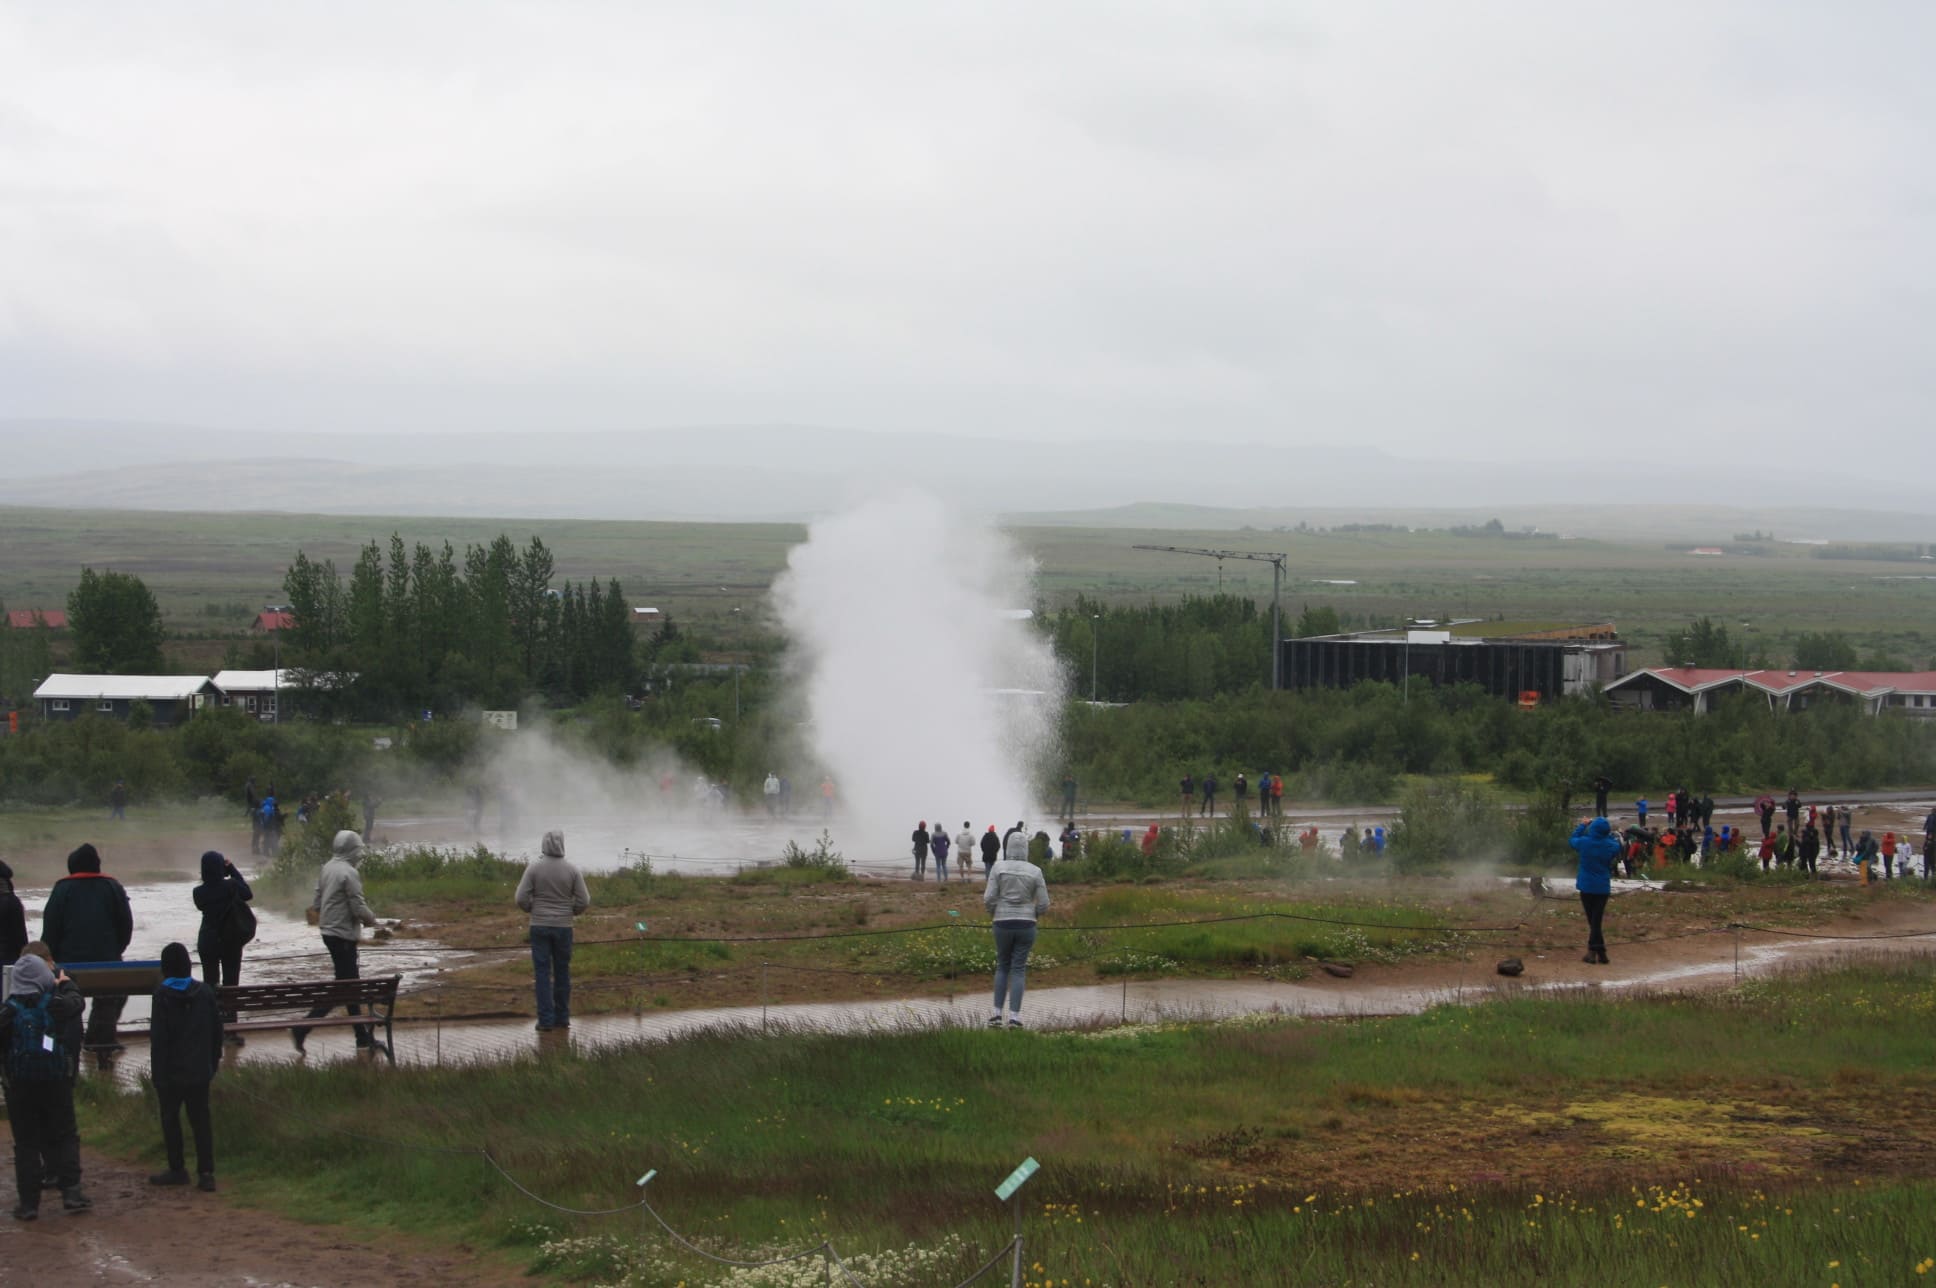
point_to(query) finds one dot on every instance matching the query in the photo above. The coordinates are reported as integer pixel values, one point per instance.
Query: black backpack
(36, 1054)
(238, 924)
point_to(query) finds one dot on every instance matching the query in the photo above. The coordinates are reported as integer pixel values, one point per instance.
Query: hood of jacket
(31, 976)
(214, 867)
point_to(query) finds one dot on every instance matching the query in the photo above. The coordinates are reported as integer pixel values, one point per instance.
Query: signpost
(1010, 1191)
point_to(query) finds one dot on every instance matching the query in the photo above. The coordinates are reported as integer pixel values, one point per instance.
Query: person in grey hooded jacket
(553, 891)
(1016, 897)
(338, 910)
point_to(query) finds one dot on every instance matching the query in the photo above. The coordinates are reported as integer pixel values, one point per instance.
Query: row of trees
(422, 628)
(1362, 744)
(1706, 643)
(1197, 647)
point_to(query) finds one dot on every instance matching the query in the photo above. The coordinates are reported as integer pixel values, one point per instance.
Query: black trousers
(342, 956)
(194, 1099)
(103, 1022)
(45, 1139)
(222, 970)
(1595, 907)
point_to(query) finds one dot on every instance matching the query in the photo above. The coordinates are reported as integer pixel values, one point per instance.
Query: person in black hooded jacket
(13, 918)
(185, 1039)
(221, 889)
(87, 919)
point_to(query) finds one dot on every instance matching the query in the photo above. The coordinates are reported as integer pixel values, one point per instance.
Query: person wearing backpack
(228, 924)
(185, 1042)
(87, 919)
(40, 1034)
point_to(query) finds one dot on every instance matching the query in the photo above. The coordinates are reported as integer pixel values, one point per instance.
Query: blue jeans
(551, 967)
(1013, 940)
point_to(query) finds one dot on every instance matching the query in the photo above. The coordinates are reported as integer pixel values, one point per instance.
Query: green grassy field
(1776, 1134)
(212, 572)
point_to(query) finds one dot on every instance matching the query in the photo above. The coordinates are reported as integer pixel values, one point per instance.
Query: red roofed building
(24, 619)
(1692, 688)
(273, 620)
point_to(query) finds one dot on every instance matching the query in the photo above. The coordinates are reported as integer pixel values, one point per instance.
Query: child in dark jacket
(185, 1037)
(40, 1044)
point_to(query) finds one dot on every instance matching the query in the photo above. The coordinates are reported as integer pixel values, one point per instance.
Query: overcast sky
(1495, 231)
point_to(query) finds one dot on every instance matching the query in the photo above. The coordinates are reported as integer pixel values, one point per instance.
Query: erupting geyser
(928, 698)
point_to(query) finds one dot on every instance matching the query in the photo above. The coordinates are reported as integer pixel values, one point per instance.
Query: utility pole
(1095, 651)
(1277, 588)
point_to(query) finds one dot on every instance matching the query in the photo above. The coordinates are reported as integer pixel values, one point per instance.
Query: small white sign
(501, 719)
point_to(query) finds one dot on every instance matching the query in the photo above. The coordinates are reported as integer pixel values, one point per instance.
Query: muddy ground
(182, 1238)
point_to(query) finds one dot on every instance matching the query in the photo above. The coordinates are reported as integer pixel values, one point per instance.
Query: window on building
(57, 704)
(252, 704)
(105, 704)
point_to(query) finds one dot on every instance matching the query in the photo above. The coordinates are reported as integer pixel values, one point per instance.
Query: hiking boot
(26, 1211)
(1591, 958)
(543, 1027)
(176, 1177)
(207, 1183)
(1014, 1023)
(74, 1201)
(298, 1037)
(994, 1021)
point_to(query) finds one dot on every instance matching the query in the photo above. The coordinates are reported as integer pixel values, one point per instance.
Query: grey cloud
(1524, 229)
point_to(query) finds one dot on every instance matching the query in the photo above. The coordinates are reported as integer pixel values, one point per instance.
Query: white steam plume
(928, 699)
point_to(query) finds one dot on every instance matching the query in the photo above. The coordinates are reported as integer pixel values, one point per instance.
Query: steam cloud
(928, 699)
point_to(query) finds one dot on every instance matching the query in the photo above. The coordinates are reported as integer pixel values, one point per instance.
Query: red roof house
(268, 623)
(54, 619)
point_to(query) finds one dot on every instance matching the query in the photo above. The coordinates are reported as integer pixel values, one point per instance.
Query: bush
(823, 857)
(1446, 822)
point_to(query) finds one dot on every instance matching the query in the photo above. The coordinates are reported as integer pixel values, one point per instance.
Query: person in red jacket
(1767, 850)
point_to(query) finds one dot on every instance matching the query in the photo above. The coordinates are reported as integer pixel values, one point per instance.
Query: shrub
(822, 857)
(1446, 822)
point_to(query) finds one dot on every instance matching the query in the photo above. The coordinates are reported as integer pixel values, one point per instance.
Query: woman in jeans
(1015, 898)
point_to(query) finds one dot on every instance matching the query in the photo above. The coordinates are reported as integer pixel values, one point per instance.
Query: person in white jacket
(553, 891)
(1016, 897)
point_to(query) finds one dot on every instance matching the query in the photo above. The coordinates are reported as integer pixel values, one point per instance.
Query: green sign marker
(641, 927)
(1015, 1178)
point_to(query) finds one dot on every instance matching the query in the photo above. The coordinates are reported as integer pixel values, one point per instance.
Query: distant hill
(792, 472)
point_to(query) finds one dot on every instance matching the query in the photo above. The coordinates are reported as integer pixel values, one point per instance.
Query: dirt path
(182, 1238)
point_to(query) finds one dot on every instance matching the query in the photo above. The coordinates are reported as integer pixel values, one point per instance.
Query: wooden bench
(377, 997)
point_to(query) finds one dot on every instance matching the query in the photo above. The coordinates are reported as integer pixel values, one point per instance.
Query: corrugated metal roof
(151, 688)
(267, 681)
(251, 681)
(54, 619)
(1866, 683)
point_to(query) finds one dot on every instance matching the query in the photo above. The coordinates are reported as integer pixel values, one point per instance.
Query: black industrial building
(1538, 665)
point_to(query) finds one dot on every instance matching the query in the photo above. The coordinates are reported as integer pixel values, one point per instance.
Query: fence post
(1015, 1272)
(1737, 956)
(762, 997)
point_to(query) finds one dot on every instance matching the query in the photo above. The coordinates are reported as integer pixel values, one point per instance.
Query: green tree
(1703, 643)
(116, 623)
(1823, 651)
(1322, 620)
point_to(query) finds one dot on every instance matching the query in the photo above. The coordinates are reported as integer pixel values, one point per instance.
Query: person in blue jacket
(1598, 848)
